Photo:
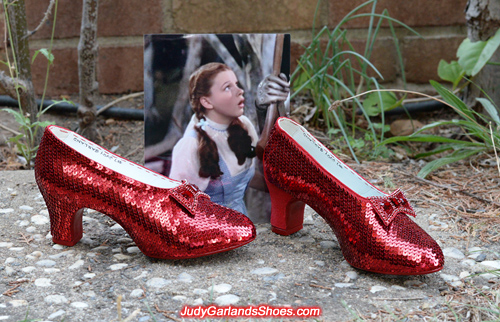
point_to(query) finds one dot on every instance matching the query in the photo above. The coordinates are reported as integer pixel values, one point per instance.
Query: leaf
(490, 108)
(451, 72)
(472, 56)
(372, 103)
(19, 117)
(46, 53)
(454, 157)
(429, 138)
(457, 104)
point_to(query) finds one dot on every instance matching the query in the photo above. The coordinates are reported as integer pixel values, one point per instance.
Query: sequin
(375, 234)
(174, 223)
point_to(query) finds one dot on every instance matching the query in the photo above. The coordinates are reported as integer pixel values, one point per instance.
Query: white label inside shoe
(115, 162)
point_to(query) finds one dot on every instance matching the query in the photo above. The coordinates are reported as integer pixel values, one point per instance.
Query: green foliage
(474, 125)
(331, 69)
(473, 56)
(26, 141)
(45, 52)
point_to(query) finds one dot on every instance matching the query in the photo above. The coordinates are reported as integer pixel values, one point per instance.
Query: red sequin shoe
(372, 227)
(166, 218)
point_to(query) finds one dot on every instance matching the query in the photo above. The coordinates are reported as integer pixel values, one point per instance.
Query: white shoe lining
(112, 161)
(328, 160)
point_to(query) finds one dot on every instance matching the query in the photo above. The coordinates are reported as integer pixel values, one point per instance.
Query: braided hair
(238, 139)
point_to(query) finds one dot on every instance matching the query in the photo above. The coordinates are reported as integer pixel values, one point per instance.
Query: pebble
(56, 314)
(185, 277)
(9, 270)
(220, 288)
(116, 267)
(46, 263)
(117, 227)
(37, 253)
(99, 248)
(116, 250)
(56, 299)
(43, 282)
(23, 223)
(344, 285)
(464, 275)
(5, 245)
(137, 293)
(481, 257)
(79, 305)
(326, 244)
(89, 276)
(133, 250)
(352, 275)
(51, 270)
(199, 291)
(491, 264)
(121, 257)
(319, 263)
(453, 252)
(31, 229)
(273, 278)
(6, 211)
(79, 263)
(158, 282)
(142, 275)
(62, 254)
(264, 271)
(16, 249)
(227, 299)
(197, 302)
(44, 212)
(449, 278)
(468, 262)
(377, 288)
(39, 220)
(307, 240)
(9, 260)
(28, 269)
(57, 246)
(25, 208)
(18, 303)
(180, 298)
(398, 288)
(261, 230)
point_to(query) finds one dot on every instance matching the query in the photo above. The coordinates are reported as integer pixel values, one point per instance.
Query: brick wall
(122, 23)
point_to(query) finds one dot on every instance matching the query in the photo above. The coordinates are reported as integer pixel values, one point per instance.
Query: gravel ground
(105, 277)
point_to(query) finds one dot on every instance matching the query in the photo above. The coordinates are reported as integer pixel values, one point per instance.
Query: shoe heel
(65, 220)
(287, 212)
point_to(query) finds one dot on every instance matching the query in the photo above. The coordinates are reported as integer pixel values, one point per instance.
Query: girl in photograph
(217, 150)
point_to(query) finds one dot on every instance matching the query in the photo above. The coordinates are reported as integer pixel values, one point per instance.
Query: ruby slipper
(166, 218)
(372, 227)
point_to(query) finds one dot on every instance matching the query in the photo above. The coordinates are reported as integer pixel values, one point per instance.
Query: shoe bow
(188, 195)
(389, 206)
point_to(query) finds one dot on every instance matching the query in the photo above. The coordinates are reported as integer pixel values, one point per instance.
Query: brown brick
(68, 19)
(115, 18)
(63, 77)
(121, 69)
(422, 56)
(413, 13)
(242, 16)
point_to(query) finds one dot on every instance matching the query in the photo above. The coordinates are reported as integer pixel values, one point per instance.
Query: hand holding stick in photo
(272, 111)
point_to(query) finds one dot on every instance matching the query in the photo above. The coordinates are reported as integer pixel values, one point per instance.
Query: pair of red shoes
(172, 220)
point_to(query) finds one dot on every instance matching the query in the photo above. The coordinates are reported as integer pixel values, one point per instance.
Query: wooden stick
(272, 111)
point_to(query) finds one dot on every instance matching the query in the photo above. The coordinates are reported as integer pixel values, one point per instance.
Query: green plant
(330, 69)
(26, 142)
(476, 127)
